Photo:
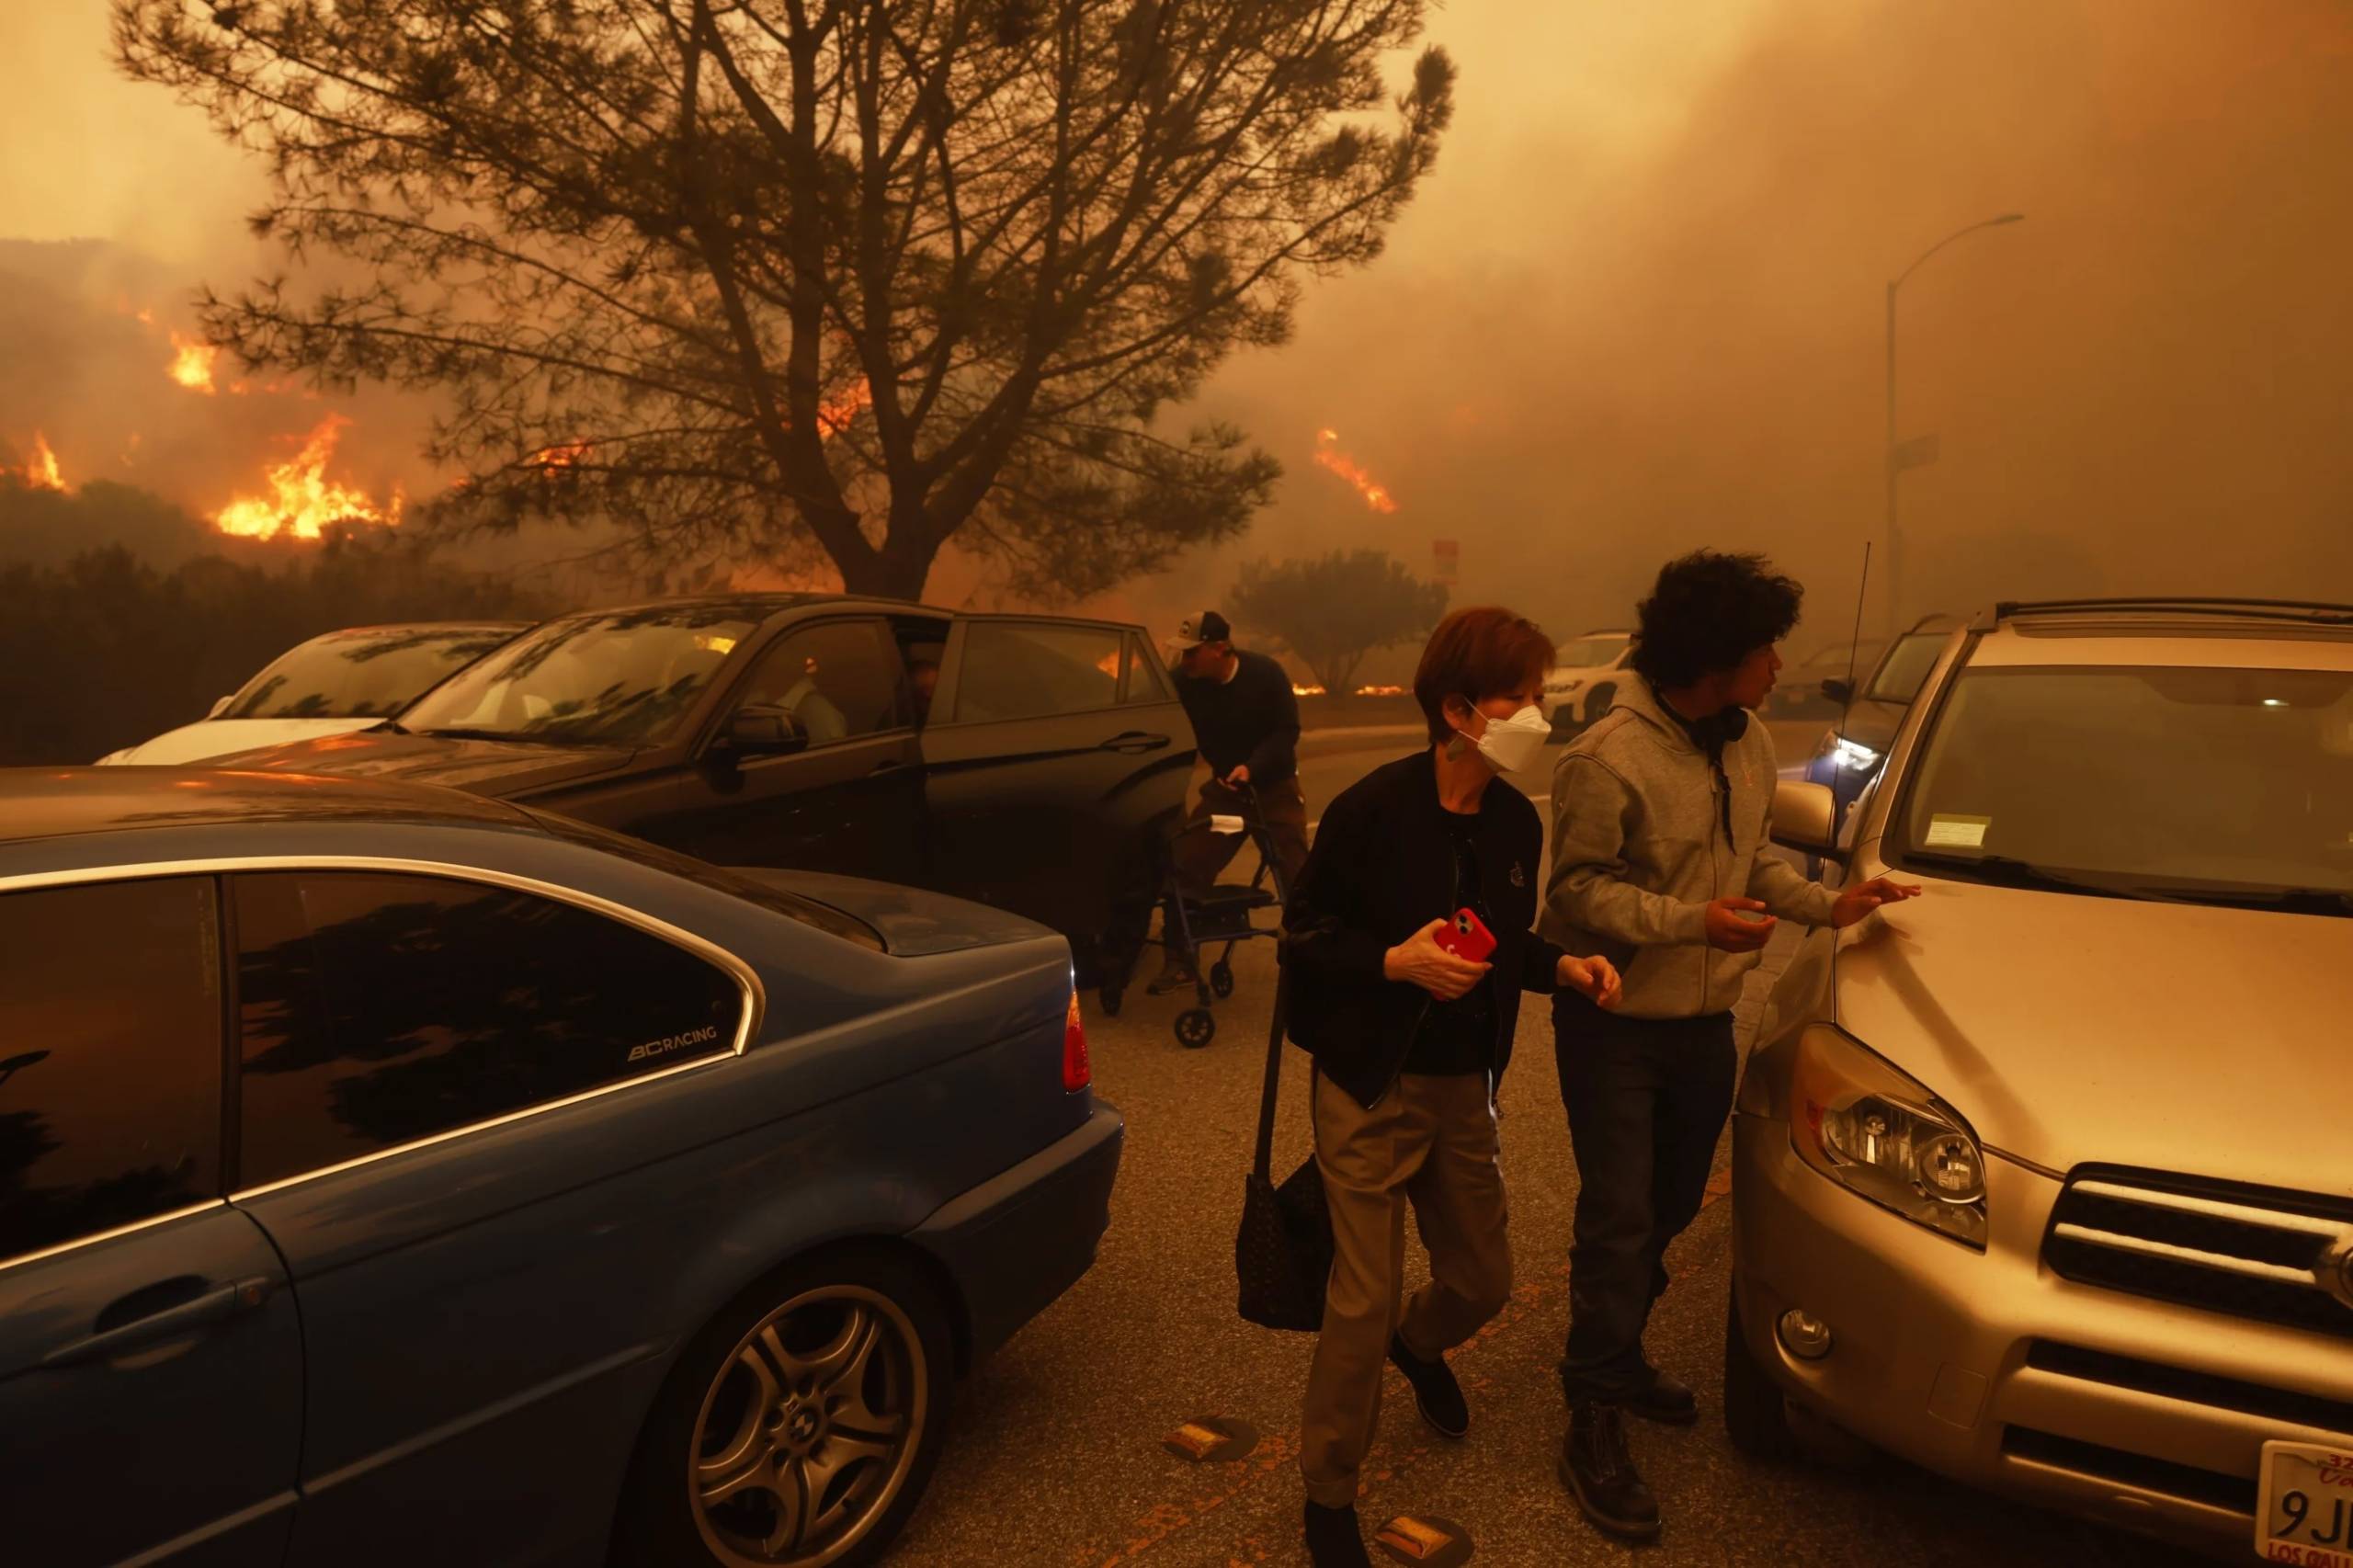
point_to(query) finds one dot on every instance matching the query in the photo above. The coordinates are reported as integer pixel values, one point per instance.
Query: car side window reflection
(1016, 670)
(834, 678)
(109, 1057)
(378, 1009)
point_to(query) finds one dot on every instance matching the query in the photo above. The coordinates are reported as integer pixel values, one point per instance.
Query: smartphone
(1467, 937)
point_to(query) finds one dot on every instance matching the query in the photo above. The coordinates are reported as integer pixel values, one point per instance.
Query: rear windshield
(809, 911)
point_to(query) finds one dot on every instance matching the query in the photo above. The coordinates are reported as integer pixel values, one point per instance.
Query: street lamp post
(1895, 464)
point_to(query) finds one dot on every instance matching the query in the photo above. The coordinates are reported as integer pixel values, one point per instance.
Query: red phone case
(1468, 938)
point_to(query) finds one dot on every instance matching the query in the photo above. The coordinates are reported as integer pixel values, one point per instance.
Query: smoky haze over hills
(1639, 308)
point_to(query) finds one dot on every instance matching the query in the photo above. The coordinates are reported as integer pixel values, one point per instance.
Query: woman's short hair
(1708, 612)
(1485, 651)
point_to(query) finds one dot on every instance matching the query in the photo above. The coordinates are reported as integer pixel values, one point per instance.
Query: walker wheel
(1196, 1027)
(1112, 997)
(1222, 979)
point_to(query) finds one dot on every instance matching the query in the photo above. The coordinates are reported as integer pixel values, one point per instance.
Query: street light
(1896, 461)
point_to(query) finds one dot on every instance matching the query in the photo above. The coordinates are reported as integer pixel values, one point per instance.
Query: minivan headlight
(1852, 756)
(1879, 1133)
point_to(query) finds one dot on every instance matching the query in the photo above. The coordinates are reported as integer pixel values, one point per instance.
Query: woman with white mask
(1408, 946)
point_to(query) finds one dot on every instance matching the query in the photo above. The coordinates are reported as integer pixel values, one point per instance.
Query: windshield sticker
(1957, 833)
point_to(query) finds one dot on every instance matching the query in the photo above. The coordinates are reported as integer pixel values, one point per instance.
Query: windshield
(1899, 678)
(625, 678)
(1589, 652)
(371, 673)
(2171, 782)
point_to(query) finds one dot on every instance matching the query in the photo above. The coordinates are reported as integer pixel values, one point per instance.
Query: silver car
(2044, 1179)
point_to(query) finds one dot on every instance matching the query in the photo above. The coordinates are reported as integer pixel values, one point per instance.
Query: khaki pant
(1431, 1143)
(1200, 853)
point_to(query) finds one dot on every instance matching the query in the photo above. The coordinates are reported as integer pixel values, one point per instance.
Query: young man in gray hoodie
(1660, 812)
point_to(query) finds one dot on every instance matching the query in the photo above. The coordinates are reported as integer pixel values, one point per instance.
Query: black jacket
(1382, 867)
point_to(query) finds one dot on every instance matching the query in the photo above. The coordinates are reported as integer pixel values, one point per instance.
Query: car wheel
(1196, 1027)
(1756, 1413)
(800, 1428)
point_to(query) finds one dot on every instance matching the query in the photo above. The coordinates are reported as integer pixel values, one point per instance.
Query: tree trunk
(897, 571)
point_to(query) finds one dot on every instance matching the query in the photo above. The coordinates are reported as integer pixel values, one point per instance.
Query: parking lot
(1057, 1457)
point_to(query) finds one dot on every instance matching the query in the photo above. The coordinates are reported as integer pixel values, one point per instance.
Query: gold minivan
(2044, 1179)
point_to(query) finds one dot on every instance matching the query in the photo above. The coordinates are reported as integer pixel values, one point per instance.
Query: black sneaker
(1596, 1466)
(1436, 1393)
(1334, 1539)
(1665, 1400)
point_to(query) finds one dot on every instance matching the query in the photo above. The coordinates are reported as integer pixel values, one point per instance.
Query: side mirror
(1806, 818)
(1838, 690)
(219, 703)
(762, 729)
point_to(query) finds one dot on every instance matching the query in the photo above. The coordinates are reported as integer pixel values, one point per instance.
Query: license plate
(2306, 1506)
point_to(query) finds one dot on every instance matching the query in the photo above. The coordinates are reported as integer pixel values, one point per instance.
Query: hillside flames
(303, 500)
(192, 364)
(41, 470)
(1328, 453)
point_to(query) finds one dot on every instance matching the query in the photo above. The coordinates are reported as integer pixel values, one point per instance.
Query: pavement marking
(1440, 1542)
(1211, 1440)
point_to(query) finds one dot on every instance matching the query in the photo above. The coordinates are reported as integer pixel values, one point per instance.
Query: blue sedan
(391, 1176)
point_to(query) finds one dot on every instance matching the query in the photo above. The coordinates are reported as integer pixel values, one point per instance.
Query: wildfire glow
(569, 455)
(192, 364)
(1328, 453)
(1380, 691)
(302, 502)
(1298, 690)
(41, 472)
(835, 417)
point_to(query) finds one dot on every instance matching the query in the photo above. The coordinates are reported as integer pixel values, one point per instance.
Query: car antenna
(1862, 592)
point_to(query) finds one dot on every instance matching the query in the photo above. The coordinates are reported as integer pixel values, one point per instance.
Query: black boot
(1334, 1537)
(1664, 1399)
(1436, 1393)
(1596, 1467)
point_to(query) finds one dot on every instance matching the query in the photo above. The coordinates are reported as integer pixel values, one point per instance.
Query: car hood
(208, 738)
(911, 921)
(2069, 1028)
(487, 767)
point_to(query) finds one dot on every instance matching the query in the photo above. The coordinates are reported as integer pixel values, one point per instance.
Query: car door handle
(212, 1306)
(1133, 741)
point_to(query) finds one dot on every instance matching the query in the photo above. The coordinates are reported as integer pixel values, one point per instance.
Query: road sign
(1917, 452)
(1446, 559)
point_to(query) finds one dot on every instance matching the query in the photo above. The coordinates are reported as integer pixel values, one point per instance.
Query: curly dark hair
(1708, 612)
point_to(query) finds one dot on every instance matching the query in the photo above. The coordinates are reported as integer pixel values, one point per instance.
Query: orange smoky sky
(1639, 306)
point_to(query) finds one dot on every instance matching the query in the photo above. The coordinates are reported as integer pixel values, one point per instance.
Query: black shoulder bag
(1283, 1254)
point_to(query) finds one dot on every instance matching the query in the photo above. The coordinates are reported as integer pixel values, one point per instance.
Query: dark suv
(1030, 762)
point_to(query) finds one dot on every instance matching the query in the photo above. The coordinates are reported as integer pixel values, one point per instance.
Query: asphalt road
(1056, 1458)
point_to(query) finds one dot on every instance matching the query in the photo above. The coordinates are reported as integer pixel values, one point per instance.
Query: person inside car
(1245, 718)
(1410, 1038)
(1660, 814)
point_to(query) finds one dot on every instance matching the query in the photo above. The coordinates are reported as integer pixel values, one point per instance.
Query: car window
(377, 1009)
(109, 1057)
(1906, 667)
(623, 678)
(1146, 681)
(368, 673)
(1024, 670)
(834, 678)
(1590, 653)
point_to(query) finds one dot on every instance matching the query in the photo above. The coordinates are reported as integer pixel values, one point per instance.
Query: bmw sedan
(394, 1177)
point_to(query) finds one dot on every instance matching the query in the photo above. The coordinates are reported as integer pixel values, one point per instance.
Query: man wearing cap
(1246, 719)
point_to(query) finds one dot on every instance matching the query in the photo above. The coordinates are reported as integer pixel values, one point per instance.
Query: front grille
(2246, 1252)
(2125, 1468)
(2194, 1388)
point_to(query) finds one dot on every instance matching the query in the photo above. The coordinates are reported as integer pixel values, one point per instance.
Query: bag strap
(1263, 1160)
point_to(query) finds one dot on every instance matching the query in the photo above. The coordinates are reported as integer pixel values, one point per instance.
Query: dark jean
(1647, 1099)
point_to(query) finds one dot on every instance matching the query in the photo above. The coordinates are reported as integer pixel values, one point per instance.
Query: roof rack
(2273, 610)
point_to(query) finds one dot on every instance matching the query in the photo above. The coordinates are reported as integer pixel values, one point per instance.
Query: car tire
(1756, 1413)
(833, 1373)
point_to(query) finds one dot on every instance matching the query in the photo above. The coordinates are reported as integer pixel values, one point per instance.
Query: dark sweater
(1382, 867)
(1252, 719)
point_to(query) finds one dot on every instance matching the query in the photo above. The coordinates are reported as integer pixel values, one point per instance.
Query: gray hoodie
(1639, 851)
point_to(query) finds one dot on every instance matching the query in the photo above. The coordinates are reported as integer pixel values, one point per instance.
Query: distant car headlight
(1876, 1131)
(1852, 756)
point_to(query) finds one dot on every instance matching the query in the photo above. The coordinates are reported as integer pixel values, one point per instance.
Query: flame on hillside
(192, 364)
(41, 470)
(1328, 453)
(303, 501)
(569, 455)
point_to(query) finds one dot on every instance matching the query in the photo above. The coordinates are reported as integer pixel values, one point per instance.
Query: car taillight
(1077, 1071)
